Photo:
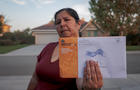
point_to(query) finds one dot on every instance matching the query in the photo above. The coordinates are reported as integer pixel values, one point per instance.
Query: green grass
(6, 49)
(133, 48)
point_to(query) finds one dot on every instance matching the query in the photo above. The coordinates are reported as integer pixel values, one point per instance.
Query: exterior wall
(84, 33)
(103, 34)
(93, 33)
(45, 38)
(50, 35)
(89, 32)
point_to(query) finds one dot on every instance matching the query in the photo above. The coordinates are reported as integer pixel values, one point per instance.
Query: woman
(46, 75)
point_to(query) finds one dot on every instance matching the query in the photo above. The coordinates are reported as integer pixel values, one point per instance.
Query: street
(16, 71)
(133, 63)
(25, 65)
(17, 65)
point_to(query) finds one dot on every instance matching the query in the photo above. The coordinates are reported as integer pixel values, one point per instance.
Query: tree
(119, 17)
(24, 37)
(1, 26)
(2, 22)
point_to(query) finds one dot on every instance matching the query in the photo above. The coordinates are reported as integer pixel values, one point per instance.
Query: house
(47, 33)
(91, 29)
(4, 27)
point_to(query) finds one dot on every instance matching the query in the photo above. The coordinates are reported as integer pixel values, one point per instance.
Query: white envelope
(109, 52)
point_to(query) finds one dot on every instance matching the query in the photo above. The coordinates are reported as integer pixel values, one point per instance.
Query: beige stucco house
(47, 33)
(90, 29)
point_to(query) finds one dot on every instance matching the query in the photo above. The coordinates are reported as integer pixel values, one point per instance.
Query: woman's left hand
(92, 76)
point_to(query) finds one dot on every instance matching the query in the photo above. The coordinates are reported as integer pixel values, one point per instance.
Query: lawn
(133, 48)
(6, 49)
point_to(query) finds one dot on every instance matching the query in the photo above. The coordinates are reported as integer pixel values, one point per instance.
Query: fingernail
(90, 61)
(96, 62)
(87, 62)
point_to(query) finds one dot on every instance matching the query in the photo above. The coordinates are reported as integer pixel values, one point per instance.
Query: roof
(90, 24)
(50, 25)
(83, 23)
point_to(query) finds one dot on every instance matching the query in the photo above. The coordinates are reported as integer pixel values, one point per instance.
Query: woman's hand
(92, 76)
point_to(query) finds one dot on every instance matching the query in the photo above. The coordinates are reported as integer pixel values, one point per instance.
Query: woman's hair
(70, 11)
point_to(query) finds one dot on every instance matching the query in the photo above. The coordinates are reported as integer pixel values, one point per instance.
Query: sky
(22, 14)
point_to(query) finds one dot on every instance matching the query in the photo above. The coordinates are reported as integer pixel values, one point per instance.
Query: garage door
(46, 38)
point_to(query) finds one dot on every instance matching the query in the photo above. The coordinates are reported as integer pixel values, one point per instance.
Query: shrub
(133, 39)
(6, 42)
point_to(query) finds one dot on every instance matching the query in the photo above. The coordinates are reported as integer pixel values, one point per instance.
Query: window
(89, 33)
(95, 32)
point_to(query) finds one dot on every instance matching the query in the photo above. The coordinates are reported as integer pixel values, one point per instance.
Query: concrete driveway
(31, 50)
(34, 50)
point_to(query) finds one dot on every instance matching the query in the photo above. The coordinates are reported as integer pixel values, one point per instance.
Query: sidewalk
(131, 83)
(26, 51)
(133, 52)
(21, 82)
(14, 82)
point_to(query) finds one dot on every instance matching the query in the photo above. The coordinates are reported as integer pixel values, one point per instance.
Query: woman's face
(66, 25)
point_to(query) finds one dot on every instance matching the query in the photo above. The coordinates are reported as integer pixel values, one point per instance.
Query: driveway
(34, 50)
(31, 50)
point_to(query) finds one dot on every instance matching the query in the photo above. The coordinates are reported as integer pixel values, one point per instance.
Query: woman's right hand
(92, 76)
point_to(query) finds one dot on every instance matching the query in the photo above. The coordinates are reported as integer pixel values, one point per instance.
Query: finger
(85, 76)
(88, 70)
(98, 72)
(99, 75)
(93, 72)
